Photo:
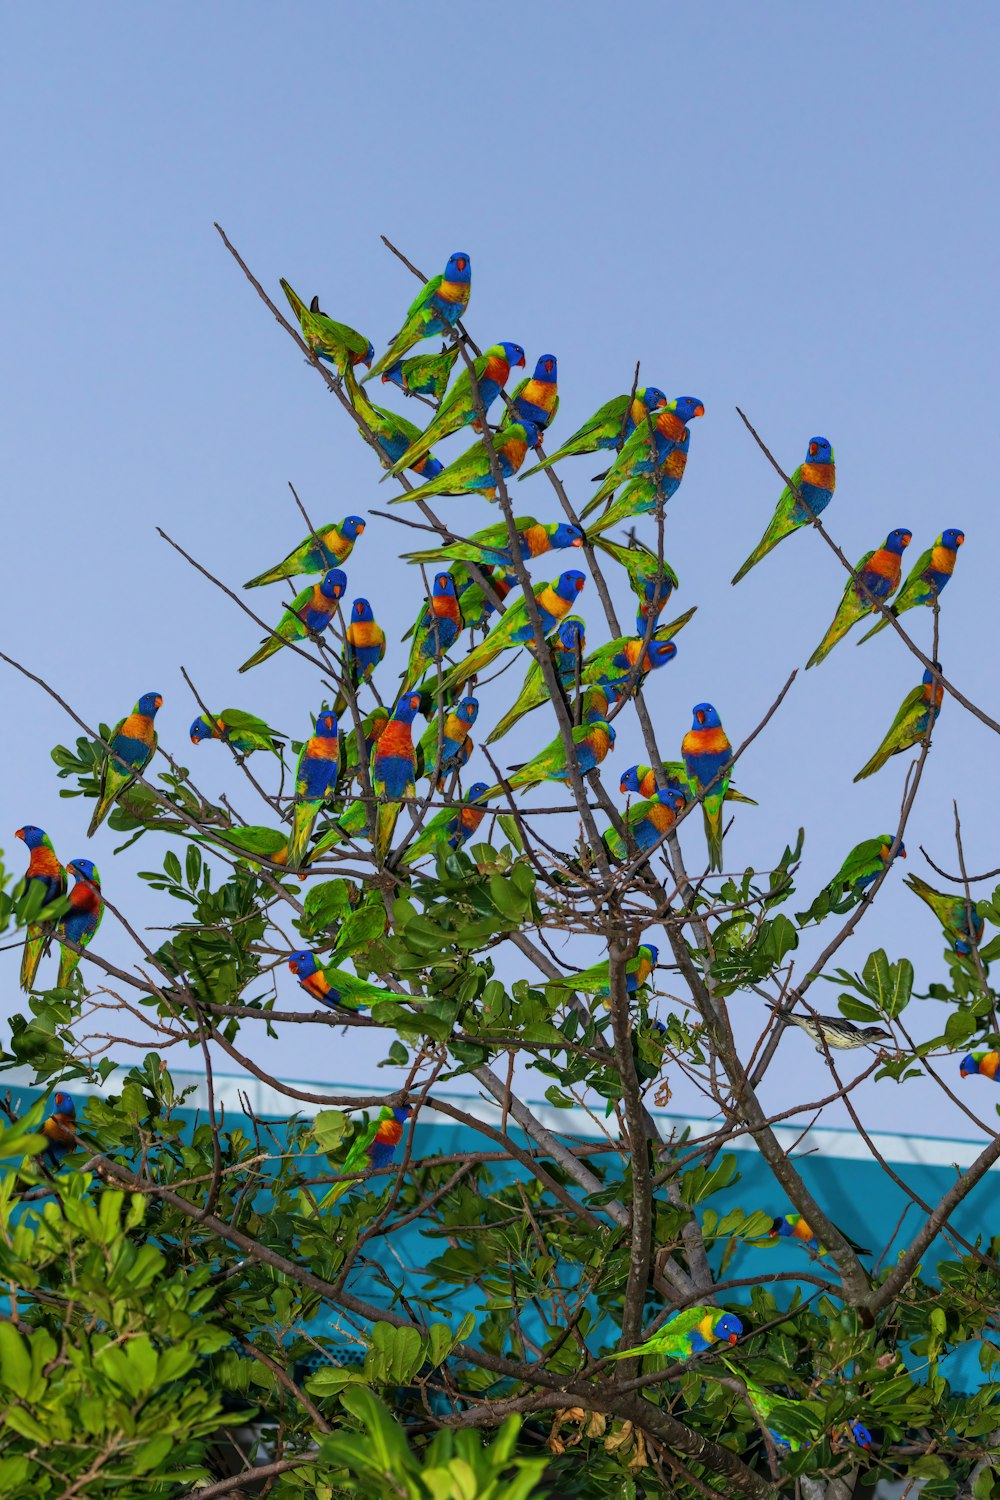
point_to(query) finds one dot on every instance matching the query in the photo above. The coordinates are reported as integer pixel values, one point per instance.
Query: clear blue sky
(783, 207)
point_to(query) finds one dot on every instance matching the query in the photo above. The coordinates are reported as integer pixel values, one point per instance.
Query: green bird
(609, 427)
(514, 628)
(860, 869)
(874, 580)
(335, 342)
(917, 712)
(423, 374)
(792, 1424)
(336, 989)
(132, 742)
(245, 732)
(591, 742)
(961, 919)
(597, 979)
(810, 492)
(372, 726)
(435, 309)
(392, 433)
(926, 579)
(640, 781)
(567, 645)
(328, 547)
(652, 582)
(453, 826)
(373, 1146)
(310, 612)
(492, 548)
(689, 1332)
(458, 409)
(647, 454)
(472, 472)
(315, 783)
(253, 839)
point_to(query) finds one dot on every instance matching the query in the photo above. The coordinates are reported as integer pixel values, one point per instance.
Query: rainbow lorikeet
(315, 783)
(537, 398)
(649, 447)
(46, 877)
(471, 473)
(363, 650)
(392, 434)
(809, 494)
(610, 426)
(927, 578)
(642, 496)
(472, 600)
(492, 547)
(310, 611)
(458, 409)
(423, 374)
(83, 918)
(790, 1227)
(707, 753)
(515, 629)
(245, 732)
(254, 840)
(622, 665)
(452, 826)
(335, 342)
(860, 869)
(641, 781)
(372, 726)
(838, 1034)
(373, 1146)
(646, 822)
(986, 1064)
(455, 745)
(591, 743)
(132, 742)
(917, 712)
(963, 924)
(799, 1425)
(652, 582)
(438, 627)
(597, 981)
(689, 1332)
(435, 309)
(393, 770)
(875, 579)
(567, 645)
(59, 1129)
(335, 988)
(330, 548)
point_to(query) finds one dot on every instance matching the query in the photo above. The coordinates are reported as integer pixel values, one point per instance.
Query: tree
(167, 1287)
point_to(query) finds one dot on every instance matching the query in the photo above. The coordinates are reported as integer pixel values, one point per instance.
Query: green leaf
(15, 1360)
(329, 1127)
(513, 833)
(959, 1027)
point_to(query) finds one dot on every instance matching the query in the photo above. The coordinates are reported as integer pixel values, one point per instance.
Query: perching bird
(388, 432)
(492, 547)
(436, 308)
(472, 473)
(364, 648)
(567, 645)
(860, 869)
(646, 822)
(641, 781)
(790, 1226)
(132, 742)
(59, 1129)
(473, 601)
(451, 826)
(689, 1332)
(373, 1146)
(45, 881)
(245, 732)
(458, 409)
(438, 627)
(372, 726)
(769, 1408)
(652, 582)
(917, 712)
(335, 988)
(838, 1033)
(875, 578)
(597, 979)
(707, 755)
(83, 918)
(258, 842)
(423, 374)
(310, 611)
(514, 628)
(592, 743)
(393, 770)
(455, 744)
(986, 1064)
(811, 491)
(335, 342)
(330, 547)
(927, 578)
(962, 922)
(536, 399)
(621, 666)
(645, 454)
(315, 783)
(610, 426)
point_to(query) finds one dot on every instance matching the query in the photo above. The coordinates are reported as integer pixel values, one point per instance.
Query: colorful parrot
(364, 648)
(647, 822)
(60, 1128)
(458, 409)
(860, 869)
(392, 433)
(963, 925)
(83, 918)
(984, 1063)
(256, 841)
(808, 496)
(332, 341)
(838, 1034)
(793, 1227)
(393, 770)
(471, 472)
(707, 754)
(536, 399)
(451, 826)
(492, 548)
(917, 712)
(592, 743)
(567, 646)
(875, 578)
(315, 783)
(926, 579)
(476, 608)
(438, 627)
(641, 781)
(436, 308)
(515, 629)
(610, 426)
(642, 496)
(645, 454)
(456, 745)
(46, 875)
(622, 665)
(309, 612)
(132, 742)
(245, 732)
(373, 1146)
(335, 988)
(652, 582)
(769, 1408)
(689, 1332)
(372, 726)
(424, 374)
(597, 979)
(329, 548)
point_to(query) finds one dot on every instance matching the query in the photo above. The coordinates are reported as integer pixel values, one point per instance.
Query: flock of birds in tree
(646, 437)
